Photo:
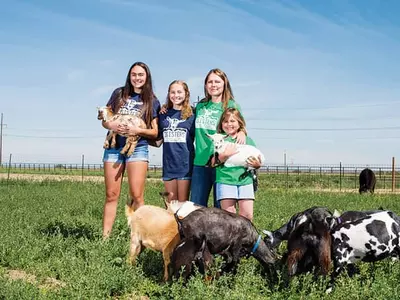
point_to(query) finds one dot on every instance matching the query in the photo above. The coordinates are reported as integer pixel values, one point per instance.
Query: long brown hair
(227, 94)
(231, 111)
(147, 94)
(187, 111)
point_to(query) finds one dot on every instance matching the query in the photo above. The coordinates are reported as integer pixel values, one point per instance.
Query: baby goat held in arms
(240, 158)
(106, 114)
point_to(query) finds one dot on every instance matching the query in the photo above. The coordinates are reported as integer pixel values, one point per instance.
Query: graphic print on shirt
(131, 107)
(173, 134)
(206, 120)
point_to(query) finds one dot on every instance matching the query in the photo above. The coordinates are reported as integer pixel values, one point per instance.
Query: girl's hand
(254, 162)
(131, 130)
(241, 138)
(163, 109)
(228, 152)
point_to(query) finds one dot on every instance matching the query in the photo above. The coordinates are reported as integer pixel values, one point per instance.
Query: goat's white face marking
(300, 221)
(104, 112)
(218, 140)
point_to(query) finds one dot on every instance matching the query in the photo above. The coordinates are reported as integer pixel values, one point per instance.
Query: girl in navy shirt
(176, 133)
(136, 97)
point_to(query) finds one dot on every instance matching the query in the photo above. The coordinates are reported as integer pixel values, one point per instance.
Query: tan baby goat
(106, 114)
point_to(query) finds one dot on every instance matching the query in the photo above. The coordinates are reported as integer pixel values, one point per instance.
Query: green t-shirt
(207, 119)
(231, 175)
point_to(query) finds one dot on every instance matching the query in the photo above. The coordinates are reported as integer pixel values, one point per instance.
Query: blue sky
(317, 80)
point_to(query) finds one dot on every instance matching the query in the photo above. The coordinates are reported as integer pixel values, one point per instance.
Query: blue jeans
(203, 179)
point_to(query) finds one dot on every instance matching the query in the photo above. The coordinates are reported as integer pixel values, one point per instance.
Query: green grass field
(51, 248)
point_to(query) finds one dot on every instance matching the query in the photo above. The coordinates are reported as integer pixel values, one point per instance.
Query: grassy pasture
(50, 234)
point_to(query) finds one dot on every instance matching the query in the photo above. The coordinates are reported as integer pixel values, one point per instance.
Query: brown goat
(155, 228)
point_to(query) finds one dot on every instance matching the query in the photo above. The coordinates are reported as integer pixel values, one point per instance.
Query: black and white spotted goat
(368, 239)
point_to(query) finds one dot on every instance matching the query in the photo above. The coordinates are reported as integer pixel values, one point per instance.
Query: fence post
(393, 174)
(287, 177)
(355, 178)
(83, 164)
(340, 176)
(9, 168)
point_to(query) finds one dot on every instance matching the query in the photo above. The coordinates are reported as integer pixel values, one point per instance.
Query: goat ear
(164, 196)
(336, 214)
(330, 222)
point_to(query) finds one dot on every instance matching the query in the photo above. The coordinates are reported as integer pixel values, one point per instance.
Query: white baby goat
(239, 159)
(106, 114)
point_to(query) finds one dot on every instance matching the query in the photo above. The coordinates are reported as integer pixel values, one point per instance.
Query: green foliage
(53, 230)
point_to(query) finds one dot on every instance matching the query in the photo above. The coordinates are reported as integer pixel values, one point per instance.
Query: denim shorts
(178, 178)
(113, 155)
(238, 192)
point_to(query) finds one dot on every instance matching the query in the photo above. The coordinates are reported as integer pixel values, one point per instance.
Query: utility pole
(284, 158)
(1, 140)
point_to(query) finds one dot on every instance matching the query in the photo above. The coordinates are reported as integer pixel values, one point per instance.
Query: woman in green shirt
(218, 97)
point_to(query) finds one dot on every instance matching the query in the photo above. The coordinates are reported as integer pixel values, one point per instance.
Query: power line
(327, 129)
(288, 108)
(319, 119)
(53, 137)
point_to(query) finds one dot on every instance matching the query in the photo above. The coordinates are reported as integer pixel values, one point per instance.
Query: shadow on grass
(152, 264)
(76, 231)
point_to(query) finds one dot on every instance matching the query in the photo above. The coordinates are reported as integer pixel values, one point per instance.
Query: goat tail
(129, 209)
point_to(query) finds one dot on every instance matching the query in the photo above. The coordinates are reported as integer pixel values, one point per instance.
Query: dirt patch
(48, 283)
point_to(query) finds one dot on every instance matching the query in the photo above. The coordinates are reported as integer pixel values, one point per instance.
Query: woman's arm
(241, 138)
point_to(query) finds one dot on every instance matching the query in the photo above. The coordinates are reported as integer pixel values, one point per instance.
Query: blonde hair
(237, 115)
(227, 94)
(187, 110)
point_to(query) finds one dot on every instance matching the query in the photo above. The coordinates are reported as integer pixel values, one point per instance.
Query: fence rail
(289, 176)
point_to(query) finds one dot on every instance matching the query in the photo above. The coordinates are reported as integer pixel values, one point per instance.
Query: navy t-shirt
(133, 106)
(178, 147)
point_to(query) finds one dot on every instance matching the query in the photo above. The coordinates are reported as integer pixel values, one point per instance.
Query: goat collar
(255, 247)
(339, 220)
